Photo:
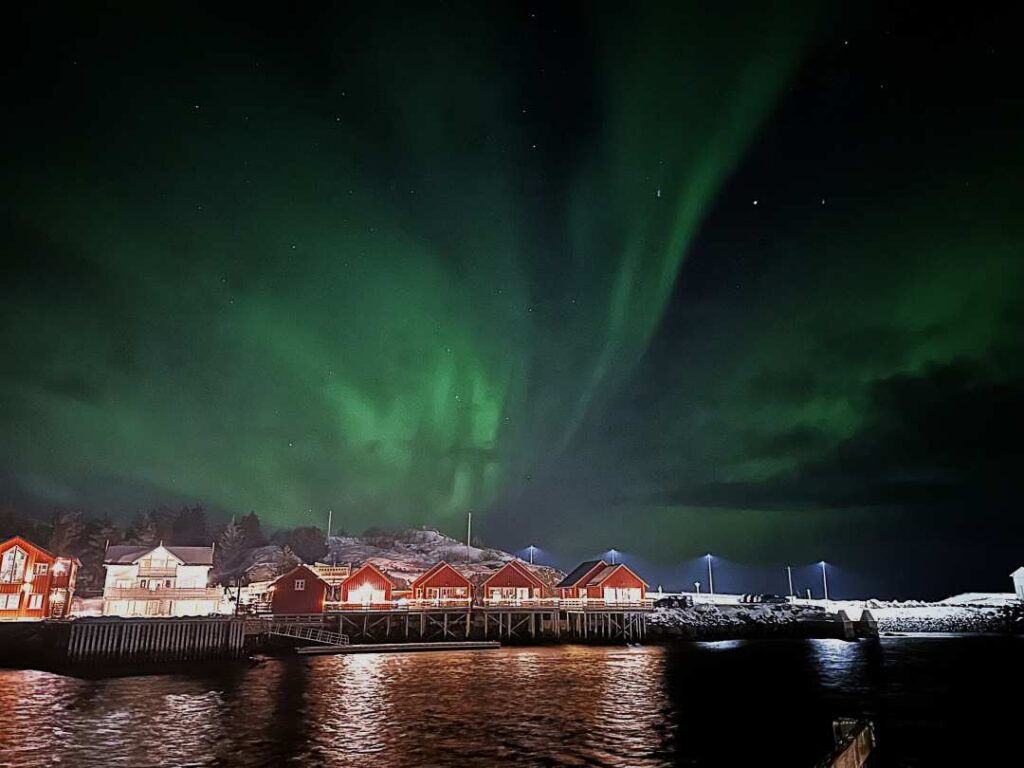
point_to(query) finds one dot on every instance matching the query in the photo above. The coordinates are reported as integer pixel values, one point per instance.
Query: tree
(252, 531)
(189, 527)
(231, 544)
(308, 543)
(143, 530)
(65, 529)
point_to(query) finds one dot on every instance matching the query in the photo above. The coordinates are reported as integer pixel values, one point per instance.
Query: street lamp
(531, 549)
(611, 555)
(789, 573)
(824, 579)
(711, 577)
(696, 587)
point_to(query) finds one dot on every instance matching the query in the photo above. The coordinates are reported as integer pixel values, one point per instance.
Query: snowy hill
(403, 554)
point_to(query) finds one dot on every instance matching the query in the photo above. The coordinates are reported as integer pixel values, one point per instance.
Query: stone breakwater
(945, 618)
(674, 619)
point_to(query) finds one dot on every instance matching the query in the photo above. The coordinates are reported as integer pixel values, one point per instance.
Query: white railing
(163, 593)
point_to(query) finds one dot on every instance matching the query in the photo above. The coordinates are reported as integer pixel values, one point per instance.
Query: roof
(437, 568)
(601, 575)
(608, 570)
(578, 573)
(300, 566)
(1018, 572)
(126, 554)
(515, 565)
(372, 567)
(23, 540)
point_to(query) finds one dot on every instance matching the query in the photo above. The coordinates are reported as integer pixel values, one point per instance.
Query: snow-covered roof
(1018, 572)
(126, 554)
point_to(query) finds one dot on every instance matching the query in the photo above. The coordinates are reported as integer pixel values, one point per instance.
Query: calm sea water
(936, 701)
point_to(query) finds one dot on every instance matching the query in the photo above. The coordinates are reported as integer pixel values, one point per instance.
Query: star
(755, 202)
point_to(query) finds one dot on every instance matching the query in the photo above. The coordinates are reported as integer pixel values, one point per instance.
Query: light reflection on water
(711, 704)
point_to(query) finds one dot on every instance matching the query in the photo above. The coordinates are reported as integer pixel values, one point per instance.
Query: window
(10, 602)
(300, 585)
(42, 569)
(12, 566)
(35, 602)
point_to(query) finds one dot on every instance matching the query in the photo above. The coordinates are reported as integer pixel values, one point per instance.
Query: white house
(1018, 582)
(159, 581)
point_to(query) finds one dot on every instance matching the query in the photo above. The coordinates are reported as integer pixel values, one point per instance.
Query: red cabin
(514, 583)
(442, 584)
(574, 585)
(367, 585)
(300, 590)
(597, 580)
(34, 584)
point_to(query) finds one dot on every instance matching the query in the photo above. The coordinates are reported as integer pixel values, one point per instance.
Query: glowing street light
(711, 577)
(612, 554)
(531, 550)
(824, 579)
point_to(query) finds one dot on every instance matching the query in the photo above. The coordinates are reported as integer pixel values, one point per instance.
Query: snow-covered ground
(403, 554)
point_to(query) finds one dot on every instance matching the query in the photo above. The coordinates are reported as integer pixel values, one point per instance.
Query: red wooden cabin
(34, 583)
(442, 584)
(367, 585)
(513, 583)
(616, 584)
(574, 585)
(597, 580)
(300, 590)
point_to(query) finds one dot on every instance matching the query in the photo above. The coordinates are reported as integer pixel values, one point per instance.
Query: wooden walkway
(470, 645)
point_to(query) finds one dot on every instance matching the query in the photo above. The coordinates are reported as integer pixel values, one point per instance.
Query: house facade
(512, 584)
(34, 583)
(597, 580)
(1018, 582)
(159, 581)
(367, 586)
(442, 584)
(300, 590)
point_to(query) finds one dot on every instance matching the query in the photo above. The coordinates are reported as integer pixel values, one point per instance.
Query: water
(936, 701)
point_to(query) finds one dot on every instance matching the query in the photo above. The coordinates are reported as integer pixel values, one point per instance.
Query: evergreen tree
(230, 544)
(252, 530)
(308, 543)
(189, 527)
(66, 527)
(144, 530)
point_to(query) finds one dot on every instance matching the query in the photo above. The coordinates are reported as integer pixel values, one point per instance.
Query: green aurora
(499, 262)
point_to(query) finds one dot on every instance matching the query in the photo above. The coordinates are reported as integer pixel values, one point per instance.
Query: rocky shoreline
(675, 619)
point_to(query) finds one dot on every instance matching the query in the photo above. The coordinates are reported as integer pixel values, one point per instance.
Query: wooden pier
(470, 645)
(125, 641)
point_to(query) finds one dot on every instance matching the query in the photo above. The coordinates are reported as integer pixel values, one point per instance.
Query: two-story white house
(159, 581)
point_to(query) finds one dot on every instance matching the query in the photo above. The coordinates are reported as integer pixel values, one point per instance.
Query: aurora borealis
(665, 279)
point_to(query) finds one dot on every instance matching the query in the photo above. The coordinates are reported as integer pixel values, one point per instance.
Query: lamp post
(611, 554)
(696, 587)
(711, 577)
(531, 548)
(824, 579)
(789, 574)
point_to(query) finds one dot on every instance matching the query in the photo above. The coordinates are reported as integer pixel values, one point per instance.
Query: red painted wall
(576, 591)
(513, 574)
(366, 574)
(286, 599)
(620, 578)
(441, 576)
(60, 575)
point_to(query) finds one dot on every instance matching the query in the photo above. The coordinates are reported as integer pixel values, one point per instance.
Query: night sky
(672, 280)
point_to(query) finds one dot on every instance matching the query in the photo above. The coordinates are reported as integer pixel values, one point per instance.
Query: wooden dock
(120, 641)
(468, 645)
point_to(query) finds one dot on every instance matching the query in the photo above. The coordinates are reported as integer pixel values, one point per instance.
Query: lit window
(10, 602)
(35, 602)
(42, 569)
(300, 585)
(12, 566)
